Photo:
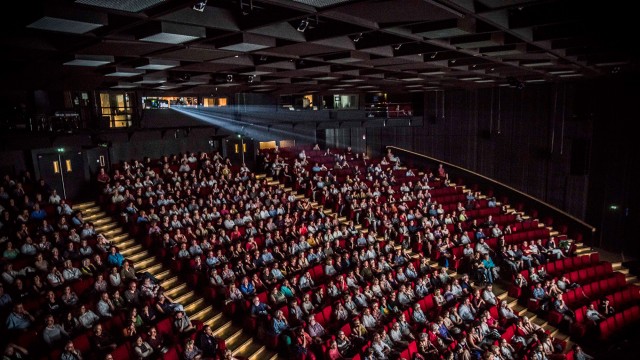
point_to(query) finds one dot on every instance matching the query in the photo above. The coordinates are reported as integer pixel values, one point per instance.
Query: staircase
(239, 341)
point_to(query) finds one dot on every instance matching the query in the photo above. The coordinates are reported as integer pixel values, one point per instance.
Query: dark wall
(162, 118)
(571, 145)
(613, 192)
(154, 145)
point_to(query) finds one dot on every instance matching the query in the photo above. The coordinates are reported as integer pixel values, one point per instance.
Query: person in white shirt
(594, 315)
(105, 306)
(69, 272)
(488, 296)
(380, 348)
(368, 320)
(54, 198)
(87, 317)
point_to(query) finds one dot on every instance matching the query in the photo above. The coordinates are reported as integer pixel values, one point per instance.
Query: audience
(248, 238)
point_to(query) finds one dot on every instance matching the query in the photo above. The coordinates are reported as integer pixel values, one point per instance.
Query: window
(298, 102)
(166, 102)
(345, 102)
(214, 101)
(117, 109)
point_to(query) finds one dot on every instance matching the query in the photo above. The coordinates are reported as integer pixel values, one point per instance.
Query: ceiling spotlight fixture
(246, 11)
(229, 78)
(358, 37)
(303, 25)
(397, 47)
(200, 5)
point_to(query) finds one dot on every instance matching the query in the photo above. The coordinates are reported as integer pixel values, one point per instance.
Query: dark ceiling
(290, 46)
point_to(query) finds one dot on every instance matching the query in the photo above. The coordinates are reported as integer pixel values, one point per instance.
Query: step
(186, 298)
(550, 328)
(519, 309)
(154, 269)
(106, 227)
(532, 316)
(622, 270)
(177, 290)
(195, 304)
(238, 341)
(143, 264)
(167, 279)
(123, 245)
(142, 255)
(120, 237)
(204, 314)
(216, 320)
(511, 301)
(560, 335)
(84, 205)
(131, 250)
(539, 321)
(112, 232)
(253, 351)
(96, 216)
(584, 251)
(227, 330)
(631, 279)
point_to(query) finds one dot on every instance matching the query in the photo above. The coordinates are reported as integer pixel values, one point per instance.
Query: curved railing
(565, 223)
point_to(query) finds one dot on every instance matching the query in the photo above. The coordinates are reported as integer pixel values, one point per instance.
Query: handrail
(589, 227)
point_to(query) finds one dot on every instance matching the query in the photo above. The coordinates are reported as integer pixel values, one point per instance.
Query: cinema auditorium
(319, 180)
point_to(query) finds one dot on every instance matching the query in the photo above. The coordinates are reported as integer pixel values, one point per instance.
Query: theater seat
(122, 352)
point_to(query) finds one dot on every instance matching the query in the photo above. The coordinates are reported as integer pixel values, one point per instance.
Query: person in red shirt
(302, 345)
(103, 177)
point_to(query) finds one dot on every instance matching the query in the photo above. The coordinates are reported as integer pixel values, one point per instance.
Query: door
(63, 171)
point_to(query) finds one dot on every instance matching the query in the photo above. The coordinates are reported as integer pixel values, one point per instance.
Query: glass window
(165, 102)
(117, 109)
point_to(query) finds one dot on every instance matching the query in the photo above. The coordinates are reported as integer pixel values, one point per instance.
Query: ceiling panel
(295, 43)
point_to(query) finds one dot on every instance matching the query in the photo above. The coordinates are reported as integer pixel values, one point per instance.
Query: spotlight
(358, 37)
(244, 9)
(303, 25)
(200, 5)
(229, 78)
